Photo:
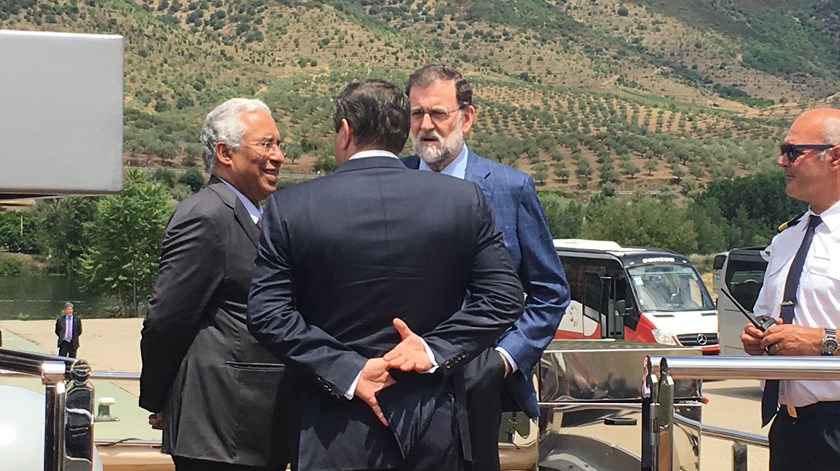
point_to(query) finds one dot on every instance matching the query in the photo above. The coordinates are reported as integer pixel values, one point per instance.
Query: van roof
(609, 249)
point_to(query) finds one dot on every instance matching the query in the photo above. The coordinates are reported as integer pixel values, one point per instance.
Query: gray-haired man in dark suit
(214, 390)
(68, 328)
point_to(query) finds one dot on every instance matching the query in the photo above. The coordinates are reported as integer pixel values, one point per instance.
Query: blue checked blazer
(520, 218)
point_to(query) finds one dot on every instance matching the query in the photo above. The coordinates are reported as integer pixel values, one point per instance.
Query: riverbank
(107, 344)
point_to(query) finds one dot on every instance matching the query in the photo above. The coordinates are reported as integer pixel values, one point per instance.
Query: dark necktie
(770, 397)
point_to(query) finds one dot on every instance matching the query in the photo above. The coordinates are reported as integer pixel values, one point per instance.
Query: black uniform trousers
(809, 442)
(485, 379)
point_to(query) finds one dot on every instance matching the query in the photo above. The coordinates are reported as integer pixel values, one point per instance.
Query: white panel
(61, 113)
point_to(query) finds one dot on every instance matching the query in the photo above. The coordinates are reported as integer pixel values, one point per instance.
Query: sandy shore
(106, 344)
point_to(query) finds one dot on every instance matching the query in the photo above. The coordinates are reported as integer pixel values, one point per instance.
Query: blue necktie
(770, 397)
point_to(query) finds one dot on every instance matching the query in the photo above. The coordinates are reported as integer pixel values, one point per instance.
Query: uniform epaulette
(791, 222)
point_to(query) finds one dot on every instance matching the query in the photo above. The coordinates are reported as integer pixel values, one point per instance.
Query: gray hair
(224, 124)
(68, 304)
(831, 131)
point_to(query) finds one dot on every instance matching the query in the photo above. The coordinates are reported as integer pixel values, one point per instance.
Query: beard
(444, 150)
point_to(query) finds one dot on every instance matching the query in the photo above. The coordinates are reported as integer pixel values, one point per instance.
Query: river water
(30, 297)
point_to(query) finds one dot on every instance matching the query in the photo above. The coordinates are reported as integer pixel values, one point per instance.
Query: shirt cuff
(511, 362)
(435, 366)
(352, 391)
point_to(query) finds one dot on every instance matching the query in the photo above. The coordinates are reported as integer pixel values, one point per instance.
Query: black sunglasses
(792, 151)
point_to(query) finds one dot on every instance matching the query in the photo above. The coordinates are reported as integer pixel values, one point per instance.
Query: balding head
(821, 125)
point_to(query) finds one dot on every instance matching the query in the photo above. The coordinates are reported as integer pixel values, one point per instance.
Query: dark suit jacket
(217, 385)
(61, 325)
(521, 219)
(339, 257)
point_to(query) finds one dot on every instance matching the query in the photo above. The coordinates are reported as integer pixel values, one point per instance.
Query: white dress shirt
(253, 210)
(818, 296)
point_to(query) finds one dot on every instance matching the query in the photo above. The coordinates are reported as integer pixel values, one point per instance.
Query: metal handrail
(763, 367)
(109, 375)
(29, 363)
(662, 370)
(53, 371)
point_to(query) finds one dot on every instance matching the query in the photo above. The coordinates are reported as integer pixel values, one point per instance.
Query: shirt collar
(253, 211)
(830, 217)
(457, 168)
(372, 153)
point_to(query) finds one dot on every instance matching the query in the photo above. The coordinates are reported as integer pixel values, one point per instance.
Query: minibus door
(600, 304)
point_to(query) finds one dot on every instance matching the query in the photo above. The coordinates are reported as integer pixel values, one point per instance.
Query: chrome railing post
(78, 437)
(665, 447)
(52, 377)
(721, 368)
(650, 418)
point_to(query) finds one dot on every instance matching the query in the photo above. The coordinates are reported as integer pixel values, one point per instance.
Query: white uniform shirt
(818, 296)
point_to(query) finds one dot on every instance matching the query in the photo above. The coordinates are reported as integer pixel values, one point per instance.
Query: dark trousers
(805, 443)
(66, 349)
(190, 464)
(440, 449)
(485, 377)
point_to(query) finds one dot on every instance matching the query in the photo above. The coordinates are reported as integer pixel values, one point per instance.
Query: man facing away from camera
(359, 283)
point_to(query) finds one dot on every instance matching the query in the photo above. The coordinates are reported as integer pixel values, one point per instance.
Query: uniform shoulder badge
(791, 222)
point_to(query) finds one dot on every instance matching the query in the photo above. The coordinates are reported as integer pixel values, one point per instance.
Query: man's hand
(156, 420)
(410, 354)
(374, 378)
(751, 338)
(792, 339)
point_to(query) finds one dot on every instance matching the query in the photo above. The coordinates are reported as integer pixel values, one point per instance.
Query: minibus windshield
(669, 288)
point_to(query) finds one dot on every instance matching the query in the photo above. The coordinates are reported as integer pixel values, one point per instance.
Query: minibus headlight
(664, 337)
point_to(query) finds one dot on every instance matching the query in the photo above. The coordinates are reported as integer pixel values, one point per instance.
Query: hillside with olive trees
(581, 94)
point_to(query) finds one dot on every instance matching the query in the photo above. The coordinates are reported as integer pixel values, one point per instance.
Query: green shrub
(10, 265)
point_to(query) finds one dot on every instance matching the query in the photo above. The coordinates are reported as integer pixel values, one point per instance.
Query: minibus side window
(744, 279)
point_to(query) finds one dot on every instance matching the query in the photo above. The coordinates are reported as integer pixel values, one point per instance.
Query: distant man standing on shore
(68, 328)
(212, 388)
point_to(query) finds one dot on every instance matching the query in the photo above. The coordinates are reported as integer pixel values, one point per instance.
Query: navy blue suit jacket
(341, 256)
(520, 217)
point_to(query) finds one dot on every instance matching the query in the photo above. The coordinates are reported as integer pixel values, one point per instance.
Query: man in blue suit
(442, 112)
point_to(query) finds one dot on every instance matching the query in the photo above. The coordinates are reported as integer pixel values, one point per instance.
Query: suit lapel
(479, 173)
(240, 214)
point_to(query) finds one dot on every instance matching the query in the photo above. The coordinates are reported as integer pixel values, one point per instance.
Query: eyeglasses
(268, 145)
(438, 115)
(793, 151)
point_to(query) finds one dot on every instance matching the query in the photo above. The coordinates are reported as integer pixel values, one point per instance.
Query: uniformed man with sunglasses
(802, 291)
